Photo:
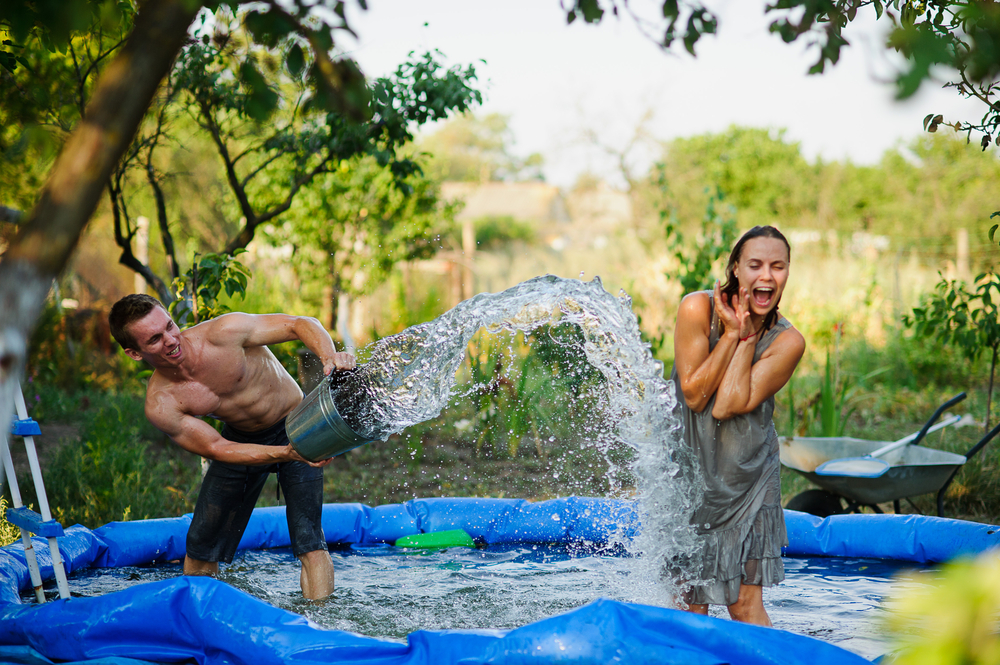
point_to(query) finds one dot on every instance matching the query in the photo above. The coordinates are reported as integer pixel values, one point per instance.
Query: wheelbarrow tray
(913, 470)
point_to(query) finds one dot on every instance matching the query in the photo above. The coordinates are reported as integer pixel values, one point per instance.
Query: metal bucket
(315, 428)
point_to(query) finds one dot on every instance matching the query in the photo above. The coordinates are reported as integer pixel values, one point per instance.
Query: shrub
(497, 231)
(114, 472)
(8, 532)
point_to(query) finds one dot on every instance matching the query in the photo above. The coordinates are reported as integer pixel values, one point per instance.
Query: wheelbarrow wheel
(816, 502)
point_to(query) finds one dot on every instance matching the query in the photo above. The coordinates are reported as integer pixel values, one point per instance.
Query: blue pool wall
(206, 621)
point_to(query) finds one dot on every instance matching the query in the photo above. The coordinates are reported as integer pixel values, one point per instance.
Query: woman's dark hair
(732, 286)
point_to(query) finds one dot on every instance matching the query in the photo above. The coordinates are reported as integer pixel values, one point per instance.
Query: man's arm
(265, 329)
(196, 436)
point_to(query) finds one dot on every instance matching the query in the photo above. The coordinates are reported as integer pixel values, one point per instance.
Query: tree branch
(246, 234)
(80, 174)
(234, 181)
(124, 241)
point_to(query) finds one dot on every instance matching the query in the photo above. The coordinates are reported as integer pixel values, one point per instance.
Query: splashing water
(411, 377)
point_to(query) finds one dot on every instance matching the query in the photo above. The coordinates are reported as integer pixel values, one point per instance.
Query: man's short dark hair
(127, 311)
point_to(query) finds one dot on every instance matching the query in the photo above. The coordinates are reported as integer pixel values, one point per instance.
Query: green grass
(117, 467)
(920, 377)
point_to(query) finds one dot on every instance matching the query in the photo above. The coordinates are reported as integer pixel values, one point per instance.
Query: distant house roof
(527, 201)
(600, 206)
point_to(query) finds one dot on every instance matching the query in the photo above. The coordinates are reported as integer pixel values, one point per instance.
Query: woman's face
(762, 270)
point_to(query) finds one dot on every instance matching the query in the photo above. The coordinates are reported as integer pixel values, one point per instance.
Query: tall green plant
(967, 319)
(521, 388)
(832, 401)
(198, 289)
(698, 258)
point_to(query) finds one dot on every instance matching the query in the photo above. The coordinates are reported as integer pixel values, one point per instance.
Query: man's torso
(244, 387)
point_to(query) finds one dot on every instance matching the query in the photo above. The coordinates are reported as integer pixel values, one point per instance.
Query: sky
(571, 89)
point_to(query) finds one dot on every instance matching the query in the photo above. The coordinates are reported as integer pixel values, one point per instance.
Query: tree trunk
(989, 393)
(51, 231)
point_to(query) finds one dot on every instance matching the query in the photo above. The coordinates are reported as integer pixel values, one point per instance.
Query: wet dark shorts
(229, 492)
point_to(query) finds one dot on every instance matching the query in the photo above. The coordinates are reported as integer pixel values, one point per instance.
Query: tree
(470, 148)
(265, 167)
(121, 97)
(968, 320)
(119, 102)
(960, 35)
(356, 224)
(758, 171)
(48, 79)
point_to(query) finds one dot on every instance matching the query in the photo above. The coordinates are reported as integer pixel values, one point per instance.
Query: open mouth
(763, 296)
(173, 353)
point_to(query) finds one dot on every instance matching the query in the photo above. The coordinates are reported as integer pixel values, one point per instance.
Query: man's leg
(196, 567)
(317, 574)
(303, 488)
(225, 502)
(749, 607)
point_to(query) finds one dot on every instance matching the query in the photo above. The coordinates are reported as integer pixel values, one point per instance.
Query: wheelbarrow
(913, 470)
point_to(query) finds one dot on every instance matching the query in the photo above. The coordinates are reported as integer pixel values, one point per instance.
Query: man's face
(158, 339)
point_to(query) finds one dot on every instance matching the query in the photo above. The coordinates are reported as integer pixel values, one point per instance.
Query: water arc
(411, 376)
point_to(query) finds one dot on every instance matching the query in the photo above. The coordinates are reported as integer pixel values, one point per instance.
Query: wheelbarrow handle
(941, 409)
(982, 442)
(975, 449)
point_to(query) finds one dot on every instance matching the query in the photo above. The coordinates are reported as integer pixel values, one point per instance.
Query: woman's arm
(699, 370)
(746, 384)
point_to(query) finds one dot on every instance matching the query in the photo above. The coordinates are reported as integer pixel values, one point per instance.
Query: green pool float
(437, 539)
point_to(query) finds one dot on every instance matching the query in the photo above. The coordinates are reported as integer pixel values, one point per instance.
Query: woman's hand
(735, 316)
(742, 309)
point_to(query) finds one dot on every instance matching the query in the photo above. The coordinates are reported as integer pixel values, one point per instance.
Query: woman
(733, 351)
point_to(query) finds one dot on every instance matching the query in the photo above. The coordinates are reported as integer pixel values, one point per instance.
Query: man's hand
(340, 361)
(291, 455)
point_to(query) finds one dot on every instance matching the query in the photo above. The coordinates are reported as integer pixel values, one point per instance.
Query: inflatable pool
(206, 621)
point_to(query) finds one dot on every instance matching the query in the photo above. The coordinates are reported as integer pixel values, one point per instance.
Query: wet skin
(223, 369)
(728, 371)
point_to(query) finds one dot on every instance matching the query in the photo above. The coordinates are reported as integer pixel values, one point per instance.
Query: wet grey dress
(740, 519)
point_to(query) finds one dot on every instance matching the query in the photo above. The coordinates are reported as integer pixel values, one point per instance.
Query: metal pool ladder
(20, 515)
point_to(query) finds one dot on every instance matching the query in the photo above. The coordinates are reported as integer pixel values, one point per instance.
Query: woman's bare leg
(749, 607)
(698, 609)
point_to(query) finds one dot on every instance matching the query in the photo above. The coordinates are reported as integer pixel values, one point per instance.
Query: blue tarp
(206, 621)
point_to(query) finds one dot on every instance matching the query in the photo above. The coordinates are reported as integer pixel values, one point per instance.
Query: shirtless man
(223, 369)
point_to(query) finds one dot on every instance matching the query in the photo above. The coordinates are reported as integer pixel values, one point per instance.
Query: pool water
(389, 592)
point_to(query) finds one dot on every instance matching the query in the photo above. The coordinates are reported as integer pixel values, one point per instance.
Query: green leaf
(592, 11)
(923, 48)
(268, 28)
(261, 101)
(295, 61)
